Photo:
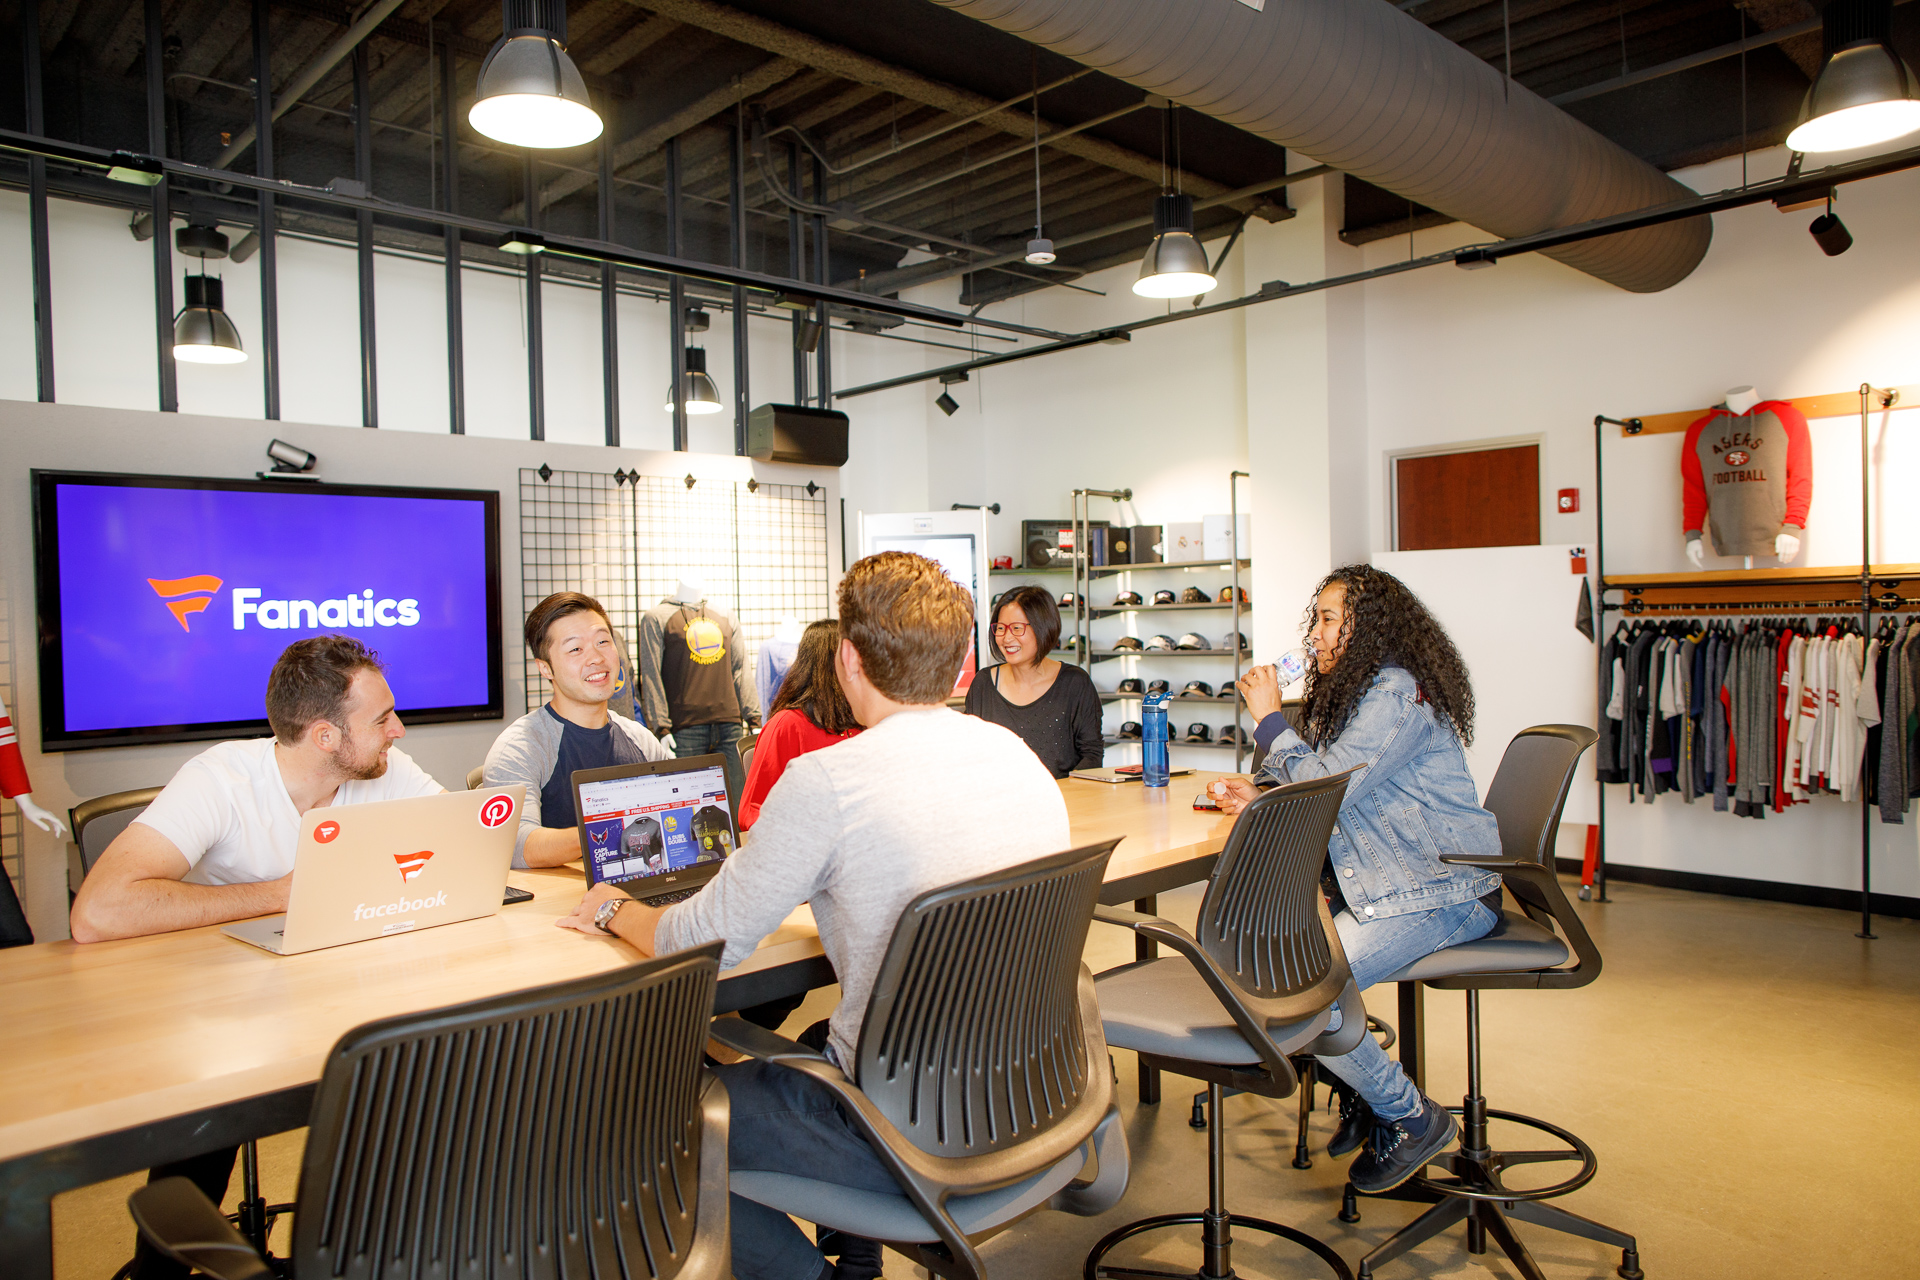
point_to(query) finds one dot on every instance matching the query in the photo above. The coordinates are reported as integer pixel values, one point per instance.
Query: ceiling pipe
(1363, 87)
(310, 75)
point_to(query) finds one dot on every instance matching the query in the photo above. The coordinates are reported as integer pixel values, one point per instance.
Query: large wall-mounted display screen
(164, 601)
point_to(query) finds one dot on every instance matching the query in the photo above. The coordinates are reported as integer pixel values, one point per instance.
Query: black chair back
(555, 1133)
(1526, 796)
(96, 822)
(1261, 920)
(973, 1041)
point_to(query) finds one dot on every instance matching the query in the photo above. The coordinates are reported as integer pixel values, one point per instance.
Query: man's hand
(635, 923)
(1260, 689)
(1233, 793)
(581, 917)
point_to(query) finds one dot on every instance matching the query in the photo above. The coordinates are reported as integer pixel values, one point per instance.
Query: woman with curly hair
(1387, 699)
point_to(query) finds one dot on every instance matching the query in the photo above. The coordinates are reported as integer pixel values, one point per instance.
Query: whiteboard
(1510, 612)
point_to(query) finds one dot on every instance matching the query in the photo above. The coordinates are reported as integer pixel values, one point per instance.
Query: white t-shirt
(229, 814)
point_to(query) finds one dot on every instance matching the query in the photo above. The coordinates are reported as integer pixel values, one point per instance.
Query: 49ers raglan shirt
(1747, 477)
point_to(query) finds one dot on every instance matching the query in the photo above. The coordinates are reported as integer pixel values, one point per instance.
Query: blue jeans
(1376, 948)
(783, 1121)
(709, 739)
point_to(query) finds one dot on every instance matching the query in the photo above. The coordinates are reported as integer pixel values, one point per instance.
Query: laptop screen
(655, 822)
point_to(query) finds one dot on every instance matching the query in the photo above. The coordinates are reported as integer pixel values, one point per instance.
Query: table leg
(1147, 949)
(1413, 1034)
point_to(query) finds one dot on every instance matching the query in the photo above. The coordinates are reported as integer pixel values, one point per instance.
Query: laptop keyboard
(667, 899)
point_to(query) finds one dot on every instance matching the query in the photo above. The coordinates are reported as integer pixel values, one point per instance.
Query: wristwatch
(603, 917)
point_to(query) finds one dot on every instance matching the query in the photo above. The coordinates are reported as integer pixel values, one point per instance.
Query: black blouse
(1062, 725)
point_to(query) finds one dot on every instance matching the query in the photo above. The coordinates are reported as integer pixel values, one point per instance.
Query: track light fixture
(1865, 93)
(1830, 233)
(530, 94)
(947, 404)
(702, 395)
(806, 336)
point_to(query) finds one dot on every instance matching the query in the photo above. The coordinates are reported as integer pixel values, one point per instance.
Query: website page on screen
(655, 823)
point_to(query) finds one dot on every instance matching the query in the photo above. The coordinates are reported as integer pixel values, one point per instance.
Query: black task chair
(474, 777)
(1230, 1007)
(983, 1081)
(567, 1131)
(1522, 952)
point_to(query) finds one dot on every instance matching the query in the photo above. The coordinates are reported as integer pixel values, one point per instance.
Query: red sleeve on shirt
(13, 769)
(1693, 485)
(788, 735)
(1799, 461)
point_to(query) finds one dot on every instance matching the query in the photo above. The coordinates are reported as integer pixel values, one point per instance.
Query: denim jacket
(1409, 799)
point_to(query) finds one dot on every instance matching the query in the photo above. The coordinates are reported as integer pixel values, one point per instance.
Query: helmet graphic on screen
(189, 592)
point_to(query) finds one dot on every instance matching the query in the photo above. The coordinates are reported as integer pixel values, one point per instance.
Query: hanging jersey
(697, 666)
(1747, 477)
(13, 768)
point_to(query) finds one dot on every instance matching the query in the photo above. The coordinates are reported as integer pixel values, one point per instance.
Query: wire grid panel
(782, 559)
(576, 534)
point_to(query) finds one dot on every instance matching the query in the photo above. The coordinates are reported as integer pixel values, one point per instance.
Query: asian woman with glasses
(1051, 705)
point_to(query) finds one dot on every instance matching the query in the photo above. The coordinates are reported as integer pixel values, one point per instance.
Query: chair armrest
(1546, 881)
(175, 1217)
(1113, 1162)
(757, 1042)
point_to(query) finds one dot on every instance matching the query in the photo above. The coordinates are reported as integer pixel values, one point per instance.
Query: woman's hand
(1260, 688)
(1232, 793)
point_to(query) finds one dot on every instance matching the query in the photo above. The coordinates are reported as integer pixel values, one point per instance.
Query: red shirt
(788, 735)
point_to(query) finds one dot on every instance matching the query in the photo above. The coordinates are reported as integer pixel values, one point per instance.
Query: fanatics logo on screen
(195, 594)
(412, 864)
(496, 811)
(347, 611)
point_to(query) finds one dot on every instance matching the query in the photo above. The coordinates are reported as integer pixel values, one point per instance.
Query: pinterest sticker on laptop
(497, 811)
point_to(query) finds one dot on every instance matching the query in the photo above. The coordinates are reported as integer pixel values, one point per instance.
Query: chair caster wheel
(1198, 1119)
(1629, 1267)
(1586, 893)
(1349, 1204)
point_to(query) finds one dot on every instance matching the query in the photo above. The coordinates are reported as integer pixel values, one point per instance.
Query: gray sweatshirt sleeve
(743, 678)
(653, 693)
(525, 752)
(783, 864)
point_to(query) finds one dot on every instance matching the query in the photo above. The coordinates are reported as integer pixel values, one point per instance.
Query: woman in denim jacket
(1387, 697)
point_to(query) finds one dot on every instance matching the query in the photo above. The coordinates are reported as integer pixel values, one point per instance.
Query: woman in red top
(807, 714)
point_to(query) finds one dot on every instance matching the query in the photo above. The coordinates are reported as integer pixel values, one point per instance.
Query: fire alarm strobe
(1569, 501)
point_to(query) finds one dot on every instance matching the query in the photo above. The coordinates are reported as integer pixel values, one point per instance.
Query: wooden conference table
(122, 1055)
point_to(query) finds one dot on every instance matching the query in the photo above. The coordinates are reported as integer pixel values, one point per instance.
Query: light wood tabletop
(115, 1039)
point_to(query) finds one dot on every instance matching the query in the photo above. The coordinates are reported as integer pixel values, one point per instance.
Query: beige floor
(1747, 1072)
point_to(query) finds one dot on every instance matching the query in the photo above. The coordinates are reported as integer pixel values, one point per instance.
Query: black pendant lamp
(1865, 93)
(202, 333)
(530, 94)
(702, 395)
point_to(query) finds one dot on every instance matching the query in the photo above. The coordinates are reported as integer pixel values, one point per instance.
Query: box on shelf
(1145, 538)
(1110, 545)
(1049, 543)
(1219, 542)
(1185, 541)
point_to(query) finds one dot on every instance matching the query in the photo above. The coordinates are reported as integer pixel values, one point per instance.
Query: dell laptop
(659, 830)
(369, 870)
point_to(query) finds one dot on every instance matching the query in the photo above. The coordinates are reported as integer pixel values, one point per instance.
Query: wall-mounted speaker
(797, 433)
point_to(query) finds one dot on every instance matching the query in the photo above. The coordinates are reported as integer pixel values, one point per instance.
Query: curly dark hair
(1386, 625)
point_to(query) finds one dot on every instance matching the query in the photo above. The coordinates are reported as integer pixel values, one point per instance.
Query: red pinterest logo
(326, 831)
(496, 811)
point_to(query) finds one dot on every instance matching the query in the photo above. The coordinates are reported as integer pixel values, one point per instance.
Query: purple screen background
(128, 664)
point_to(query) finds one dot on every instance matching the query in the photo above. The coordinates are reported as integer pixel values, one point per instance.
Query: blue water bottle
(1153, 741)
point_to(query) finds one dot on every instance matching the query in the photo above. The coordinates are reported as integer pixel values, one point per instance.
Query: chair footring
(1096, 1269)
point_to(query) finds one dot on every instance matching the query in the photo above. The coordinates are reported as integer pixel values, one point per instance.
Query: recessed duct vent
(1358, 85)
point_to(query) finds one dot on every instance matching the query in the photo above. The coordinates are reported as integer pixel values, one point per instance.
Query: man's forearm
(551, 846)
(143, 907)
(638, 924)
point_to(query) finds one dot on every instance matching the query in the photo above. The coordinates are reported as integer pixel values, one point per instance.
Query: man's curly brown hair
(1385, 626)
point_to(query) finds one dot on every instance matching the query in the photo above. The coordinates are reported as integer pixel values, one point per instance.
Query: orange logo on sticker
(326, 831)
(412, 864)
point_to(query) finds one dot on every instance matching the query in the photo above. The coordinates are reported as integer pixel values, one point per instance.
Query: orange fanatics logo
(195, 593)
(412, 864)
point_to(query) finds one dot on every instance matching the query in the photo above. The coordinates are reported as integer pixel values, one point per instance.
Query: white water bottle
(1292, 666)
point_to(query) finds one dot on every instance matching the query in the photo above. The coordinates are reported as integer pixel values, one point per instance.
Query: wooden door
(1475, 498)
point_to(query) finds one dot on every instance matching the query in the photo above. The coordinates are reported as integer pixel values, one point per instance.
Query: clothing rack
(1864, 588)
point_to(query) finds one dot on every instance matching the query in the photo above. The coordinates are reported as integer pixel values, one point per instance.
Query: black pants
(210, 1172)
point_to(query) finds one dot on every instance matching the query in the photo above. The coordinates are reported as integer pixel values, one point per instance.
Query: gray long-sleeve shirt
(927, 797)
(527, 750)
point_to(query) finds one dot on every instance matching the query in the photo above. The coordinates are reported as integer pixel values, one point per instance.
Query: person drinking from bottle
(1387, 698)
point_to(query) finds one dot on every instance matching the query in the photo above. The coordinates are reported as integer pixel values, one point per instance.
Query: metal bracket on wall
(545, 473)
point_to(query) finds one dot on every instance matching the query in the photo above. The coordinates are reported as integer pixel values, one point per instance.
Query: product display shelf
(1108, 570)
(1158, 653)
(1016, 572)
(1172, 742)
(1102, 611)
(1223, 703)
(1891, 586)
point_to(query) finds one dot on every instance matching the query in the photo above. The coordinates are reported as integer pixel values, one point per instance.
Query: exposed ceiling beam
(624, 48)
(311, 75)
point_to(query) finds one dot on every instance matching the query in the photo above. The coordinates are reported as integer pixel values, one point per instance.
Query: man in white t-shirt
(218, 843)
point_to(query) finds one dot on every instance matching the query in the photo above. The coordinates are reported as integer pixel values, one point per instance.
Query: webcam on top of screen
(290, 462)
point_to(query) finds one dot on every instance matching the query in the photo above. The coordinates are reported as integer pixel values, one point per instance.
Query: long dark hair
(1043, 615)
(811, 688)
(1386, 625)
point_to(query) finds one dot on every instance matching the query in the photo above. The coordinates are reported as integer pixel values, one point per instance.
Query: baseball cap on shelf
(1131, 729)
(1232, 638)
(1071, 643)
(1161, 643)
(1068, 600)
(1126, 598)
(1131, 685)
(1127, 642)
(1228, 691)
(1230, 734)
(1197, 732)
(1194, 595)
(1197, 689)
(1159, 686)
(1164, 597)
(1226, 595)
(1193, 640)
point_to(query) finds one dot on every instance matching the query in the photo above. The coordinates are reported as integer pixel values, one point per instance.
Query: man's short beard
(375, 768)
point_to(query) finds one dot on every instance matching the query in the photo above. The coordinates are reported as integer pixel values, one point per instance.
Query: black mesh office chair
(1259, 984)
(561, 1132)
(983, 1081)
(1522, 952)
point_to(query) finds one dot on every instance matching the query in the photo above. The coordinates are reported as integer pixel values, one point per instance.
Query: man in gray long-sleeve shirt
(925, 797)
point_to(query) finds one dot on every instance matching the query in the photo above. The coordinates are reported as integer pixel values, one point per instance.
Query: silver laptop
(370, 870)
(659, 830)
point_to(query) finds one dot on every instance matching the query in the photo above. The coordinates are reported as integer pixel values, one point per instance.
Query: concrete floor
(1746, 1071)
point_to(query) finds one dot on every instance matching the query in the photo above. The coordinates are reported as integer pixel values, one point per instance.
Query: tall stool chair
(1522, 952)
(1229, 1007)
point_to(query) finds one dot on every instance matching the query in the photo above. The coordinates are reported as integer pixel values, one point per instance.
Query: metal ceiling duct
(1360, 86)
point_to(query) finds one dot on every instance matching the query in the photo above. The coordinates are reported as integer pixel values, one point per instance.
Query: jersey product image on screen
(1197, 732)
(1197, 689)
(1194, 595)
(1159, 686)
(1131, 685)
(1126, 598)
(1194, 640)
(1127, 642)
(1226, 595)
(1164, 597)
(1161, 643)
(1130, 729)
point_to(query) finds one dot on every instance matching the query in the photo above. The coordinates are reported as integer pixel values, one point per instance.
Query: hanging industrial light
(1175, 265)
(202, 333)
(702, 395)
(530, 94)
(1865, 93)
(1039, 249)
